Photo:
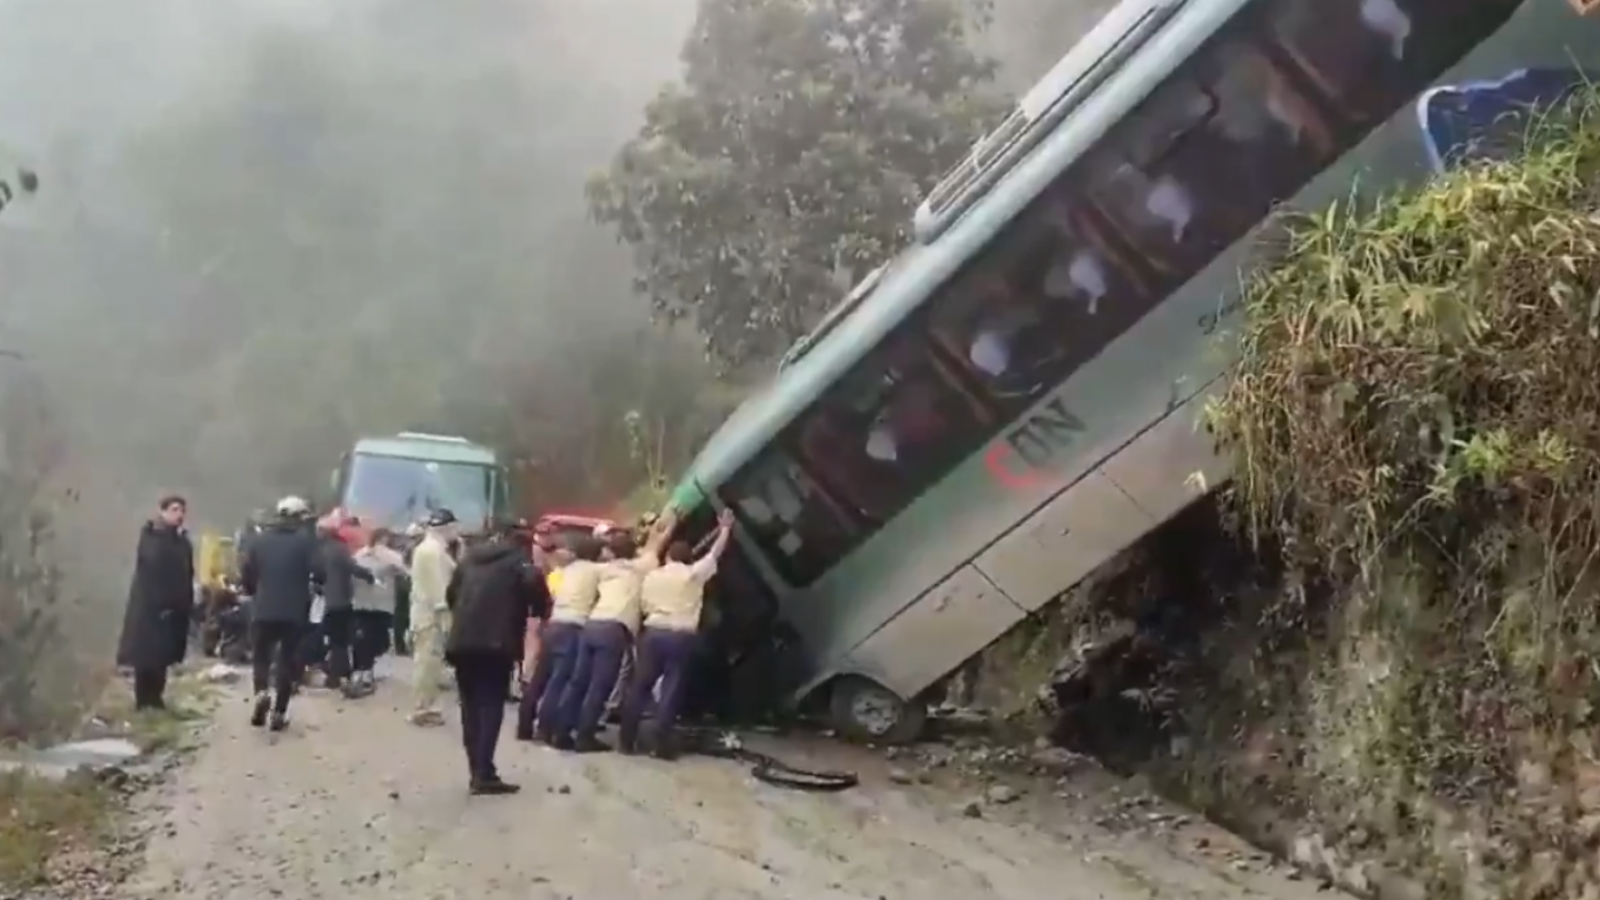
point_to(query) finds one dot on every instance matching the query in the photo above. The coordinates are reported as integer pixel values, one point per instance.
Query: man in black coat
(155, 627)
(277, 571)
(492, 593)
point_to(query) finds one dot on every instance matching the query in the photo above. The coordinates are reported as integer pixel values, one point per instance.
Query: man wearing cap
(431, 567)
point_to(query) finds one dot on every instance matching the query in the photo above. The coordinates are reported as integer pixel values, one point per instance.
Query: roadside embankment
(1378, 650)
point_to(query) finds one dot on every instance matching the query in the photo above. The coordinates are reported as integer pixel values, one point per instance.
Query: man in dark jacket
(339, 575)
(155, 626)
(492, 593)
(277, 572)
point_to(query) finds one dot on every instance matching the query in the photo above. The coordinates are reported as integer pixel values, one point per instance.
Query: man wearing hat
(432, 565)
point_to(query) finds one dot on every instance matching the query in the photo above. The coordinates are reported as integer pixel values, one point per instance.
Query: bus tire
(866, 712)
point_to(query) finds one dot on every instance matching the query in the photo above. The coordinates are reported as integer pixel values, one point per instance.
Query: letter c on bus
(1002, 462)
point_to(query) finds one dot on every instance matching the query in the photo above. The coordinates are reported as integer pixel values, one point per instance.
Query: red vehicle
(566, 526)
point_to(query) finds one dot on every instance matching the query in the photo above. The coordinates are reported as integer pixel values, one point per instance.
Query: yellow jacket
(216, 563)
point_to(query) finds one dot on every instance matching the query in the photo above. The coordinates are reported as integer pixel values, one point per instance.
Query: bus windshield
(395, 491)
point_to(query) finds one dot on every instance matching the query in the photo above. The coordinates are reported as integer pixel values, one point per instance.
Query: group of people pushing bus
(573, 618)
(589, 608)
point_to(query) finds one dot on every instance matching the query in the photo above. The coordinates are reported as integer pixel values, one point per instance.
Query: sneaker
(493, 788)
(588, 743)
(426, 718)
(278, 722)
(258, 712)
(561, 742)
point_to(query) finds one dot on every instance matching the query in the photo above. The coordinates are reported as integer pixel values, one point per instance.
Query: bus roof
(426, 447)
(917, 272)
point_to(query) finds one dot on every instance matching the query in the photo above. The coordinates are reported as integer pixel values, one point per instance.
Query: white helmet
(292, 506)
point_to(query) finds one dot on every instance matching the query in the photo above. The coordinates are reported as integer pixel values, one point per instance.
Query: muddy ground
(352, 803)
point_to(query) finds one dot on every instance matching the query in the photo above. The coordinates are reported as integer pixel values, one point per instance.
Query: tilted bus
(1012, 401)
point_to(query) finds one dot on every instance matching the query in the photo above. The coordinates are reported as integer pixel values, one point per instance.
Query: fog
(265, 227)
(269, 226)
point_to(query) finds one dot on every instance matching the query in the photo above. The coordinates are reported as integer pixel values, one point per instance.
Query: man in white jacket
(431, 568)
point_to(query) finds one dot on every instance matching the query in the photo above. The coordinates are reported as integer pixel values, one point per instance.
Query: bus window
(738, 603)
(1046, 299)
(1368, 57)
(890, 429)
(1248, 141)
(796, 525)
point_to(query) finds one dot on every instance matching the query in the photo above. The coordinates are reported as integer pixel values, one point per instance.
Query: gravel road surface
(353, 803)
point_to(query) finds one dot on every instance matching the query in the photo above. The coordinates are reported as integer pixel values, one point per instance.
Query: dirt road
(352, 803)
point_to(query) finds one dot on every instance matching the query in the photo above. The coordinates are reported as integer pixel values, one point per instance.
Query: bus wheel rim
(875, 711)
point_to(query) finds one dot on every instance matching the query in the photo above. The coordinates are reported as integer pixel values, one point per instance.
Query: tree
(790, 158)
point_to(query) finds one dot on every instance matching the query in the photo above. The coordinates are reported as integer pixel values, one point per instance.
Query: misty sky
(232, 186)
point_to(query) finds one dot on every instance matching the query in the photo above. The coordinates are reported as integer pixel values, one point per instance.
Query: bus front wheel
(865, 711)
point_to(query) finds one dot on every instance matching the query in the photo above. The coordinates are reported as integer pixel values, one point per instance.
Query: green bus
(396, 481)
(1012, 401)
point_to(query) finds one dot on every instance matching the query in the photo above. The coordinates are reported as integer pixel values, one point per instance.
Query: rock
(1388, 885)
(221, 673)
(1056, 760)
(62, 761)
(1001, 794)
(900, 776)
(972, 809)
(1543, 878)
(1533, 776)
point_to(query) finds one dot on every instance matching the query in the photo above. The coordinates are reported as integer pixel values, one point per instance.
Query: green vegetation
(1416, 423)
(790, 158)
(41, 818)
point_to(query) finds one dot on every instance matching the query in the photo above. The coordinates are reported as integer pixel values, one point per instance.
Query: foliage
(793, 152)
(40, 818)
(1416, 418)
(36, 690)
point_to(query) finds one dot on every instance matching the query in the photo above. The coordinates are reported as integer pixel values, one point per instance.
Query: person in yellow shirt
(670, 598)
(551, 560)
(606, 638)
(577, 591)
